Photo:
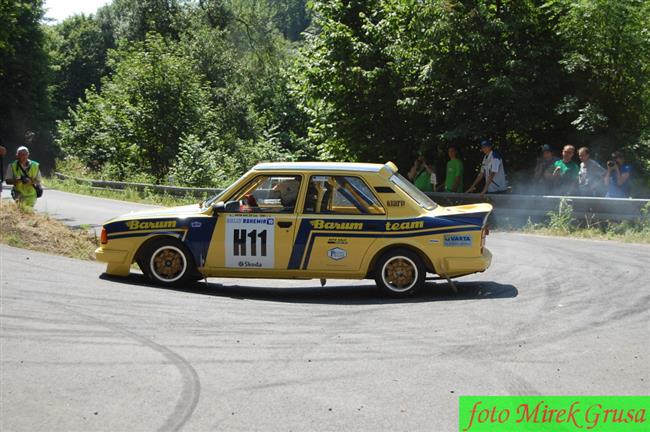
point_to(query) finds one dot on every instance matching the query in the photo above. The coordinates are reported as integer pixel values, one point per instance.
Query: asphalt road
(82, 352)
(80, 211)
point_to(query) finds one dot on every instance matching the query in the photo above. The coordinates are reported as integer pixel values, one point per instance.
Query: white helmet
(288, 192)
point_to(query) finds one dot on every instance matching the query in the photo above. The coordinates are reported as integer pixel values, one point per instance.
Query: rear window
(409, 189)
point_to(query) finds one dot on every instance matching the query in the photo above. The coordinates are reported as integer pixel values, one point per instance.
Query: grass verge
(27, 229)
(133, 195)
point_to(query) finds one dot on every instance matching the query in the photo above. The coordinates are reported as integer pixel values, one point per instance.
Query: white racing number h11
(250, 242)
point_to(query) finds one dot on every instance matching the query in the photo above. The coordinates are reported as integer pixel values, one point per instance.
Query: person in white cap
(25, 176)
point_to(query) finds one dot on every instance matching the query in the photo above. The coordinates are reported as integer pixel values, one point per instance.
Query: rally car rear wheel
(399, 273)
(167, 262)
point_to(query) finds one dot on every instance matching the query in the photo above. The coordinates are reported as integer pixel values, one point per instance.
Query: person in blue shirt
(617, 178)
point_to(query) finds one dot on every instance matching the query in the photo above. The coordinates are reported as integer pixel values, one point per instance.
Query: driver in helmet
(288, 190)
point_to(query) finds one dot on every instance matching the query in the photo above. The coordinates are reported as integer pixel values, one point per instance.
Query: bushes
(562, 222)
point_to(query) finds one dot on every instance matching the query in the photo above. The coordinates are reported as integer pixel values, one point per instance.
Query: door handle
(284, 224)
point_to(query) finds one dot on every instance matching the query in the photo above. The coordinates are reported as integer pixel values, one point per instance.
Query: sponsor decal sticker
(143, 225)
(337, 241)
(338, 226)
(395, 203)
(195, 224)
(553, 413)
(458, 240)
(337, 254)
(250, 220)
(250, 242)
(408, 225)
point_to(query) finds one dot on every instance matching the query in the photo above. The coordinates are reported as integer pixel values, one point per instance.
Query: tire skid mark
(550, 292)
(191, 391)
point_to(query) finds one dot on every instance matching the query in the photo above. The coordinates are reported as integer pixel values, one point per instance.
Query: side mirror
(227, 207)
(232, 206)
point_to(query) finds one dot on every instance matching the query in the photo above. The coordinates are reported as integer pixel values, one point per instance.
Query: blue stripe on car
(197, 237)
(376, 228)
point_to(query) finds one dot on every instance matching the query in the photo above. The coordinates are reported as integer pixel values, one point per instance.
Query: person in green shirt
(454, 177)
(564, 173)
(422, 175)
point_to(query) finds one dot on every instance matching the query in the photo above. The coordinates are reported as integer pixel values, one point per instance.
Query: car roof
(319, 166)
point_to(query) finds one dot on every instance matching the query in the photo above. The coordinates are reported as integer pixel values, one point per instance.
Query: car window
(340, 195)
(269, 194)
(408, 188)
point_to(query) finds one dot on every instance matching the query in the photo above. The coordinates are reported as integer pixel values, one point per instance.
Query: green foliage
(78, 49)
(25, 113)
(157, 85)
(154, 99)
(198, 165)
(132, 20)
(385, 79)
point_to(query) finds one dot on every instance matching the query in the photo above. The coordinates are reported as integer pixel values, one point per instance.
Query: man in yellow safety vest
(25, 176)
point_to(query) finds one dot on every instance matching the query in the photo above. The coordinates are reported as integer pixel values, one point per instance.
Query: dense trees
(201, 89)
(25, 113)
(386, 76)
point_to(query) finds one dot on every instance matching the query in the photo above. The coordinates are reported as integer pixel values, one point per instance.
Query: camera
(611, 163)
(24, 179)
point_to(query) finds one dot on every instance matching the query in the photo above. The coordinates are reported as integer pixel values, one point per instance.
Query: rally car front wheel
(167, 262)
(399, 273)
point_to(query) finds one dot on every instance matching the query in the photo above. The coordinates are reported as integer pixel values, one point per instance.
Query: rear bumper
(118, 261)
(463, 266)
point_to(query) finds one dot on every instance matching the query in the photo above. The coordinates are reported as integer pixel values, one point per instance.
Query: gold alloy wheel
(168, 263)
(399, 274)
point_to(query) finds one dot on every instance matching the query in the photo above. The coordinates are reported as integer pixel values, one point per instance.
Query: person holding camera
(25, 176)
(422, 175)
(617, 177)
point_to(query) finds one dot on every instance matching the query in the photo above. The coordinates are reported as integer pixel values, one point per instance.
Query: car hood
(163, 212)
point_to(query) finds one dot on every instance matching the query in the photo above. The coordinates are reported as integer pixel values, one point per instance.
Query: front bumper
(118, 261)
(463, 266)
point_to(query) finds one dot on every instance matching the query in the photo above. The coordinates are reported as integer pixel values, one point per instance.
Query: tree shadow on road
(355, 293)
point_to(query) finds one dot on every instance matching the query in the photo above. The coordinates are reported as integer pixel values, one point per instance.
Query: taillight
(104, 237)
(484, 232)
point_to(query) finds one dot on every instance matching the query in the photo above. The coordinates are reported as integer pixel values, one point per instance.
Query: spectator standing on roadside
(25, 176)
(454, 173)
(617, 177)
(542, 184)
(422, 175)
(492, 170)
(591, 175)
(564, 173)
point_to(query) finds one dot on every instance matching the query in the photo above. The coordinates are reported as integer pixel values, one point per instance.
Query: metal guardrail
(513, 208)
(517, 207)
(171, 190)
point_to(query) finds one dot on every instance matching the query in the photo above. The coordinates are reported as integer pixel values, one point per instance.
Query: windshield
(210, 201)
(408, 188)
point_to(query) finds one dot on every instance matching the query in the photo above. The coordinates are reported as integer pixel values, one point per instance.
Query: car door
(340, 221)
(256, 238)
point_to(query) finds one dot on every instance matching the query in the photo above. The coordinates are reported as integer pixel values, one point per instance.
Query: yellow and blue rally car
(305, 220)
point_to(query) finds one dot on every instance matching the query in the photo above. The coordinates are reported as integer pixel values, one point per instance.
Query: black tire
(399, 273)
(167, 262)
